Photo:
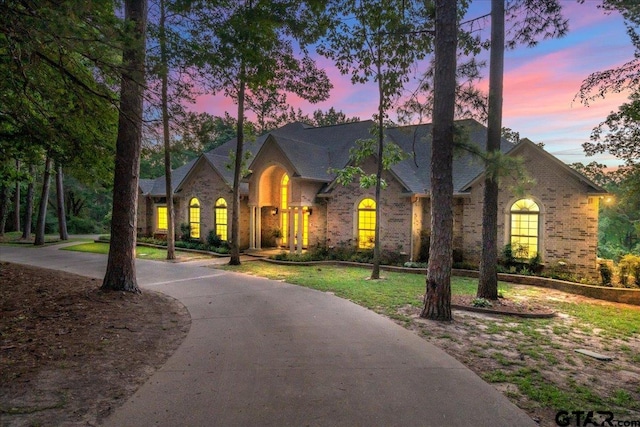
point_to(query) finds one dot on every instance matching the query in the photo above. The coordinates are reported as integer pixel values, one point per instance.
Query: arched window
(366, 223)
(284, 208)
(221, 218)
(525, 228)
(194, 218)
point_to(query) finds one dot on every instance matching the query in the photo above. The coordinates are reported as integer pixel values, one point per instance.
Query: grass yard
(142, 252)
(532, 361)
(15, 238)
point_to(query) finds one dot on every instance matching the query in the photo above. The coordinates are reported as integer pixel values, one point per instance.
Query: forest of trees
(87, 85)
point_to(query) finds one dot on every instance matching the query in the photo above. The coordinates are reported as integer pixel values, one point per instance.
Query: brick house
(291, 184)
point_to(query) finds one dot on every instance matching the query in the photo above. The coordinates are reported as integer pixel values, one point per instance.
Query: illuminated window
(525, 224)
(366, 224)
(221, 218)
(284, 208)
(194, 218)
(161, 215)
(285, 211)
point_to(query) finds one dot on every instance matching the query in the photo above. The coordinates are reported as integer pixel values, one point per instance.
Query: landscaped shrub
(481, 302)
(76, 225)
(397, 257)
(507, 259)
(214, 240)
(535, 264)
(629, 265)
(185, 232)
(605, 274)
(425, 241)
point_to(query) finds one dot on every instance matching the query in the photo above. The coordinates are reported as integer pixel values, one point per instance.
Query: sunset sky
(540, 83)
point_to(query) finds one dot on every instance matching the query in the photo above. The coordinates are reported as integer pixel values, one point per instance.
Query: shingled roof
(314, 151)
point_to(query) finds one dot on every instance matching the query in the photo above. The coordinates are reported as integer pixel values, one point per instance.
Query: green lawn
(397, 290)
(14, 238)
(142, 252)
(394, 291)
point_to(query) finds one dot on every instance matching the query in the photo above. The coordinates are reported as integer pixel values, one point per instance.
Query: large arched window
(525, 228)
(194, 218)
(284, 208)
(221, 218)
(366, 223)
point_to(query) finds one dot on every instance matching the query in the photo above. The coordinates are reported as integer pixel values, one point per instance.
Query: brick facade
(395, 213)
(568, 205)
(568, 215)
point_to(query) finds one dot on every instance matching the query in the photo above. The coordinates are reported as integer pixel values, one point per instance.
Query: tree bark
(375, 272)
(488, 281)
(121, 268)
(437, 300)
(16, 201)
(4, 202)
(28, 209)
(44, 200)
(171, 251)
(60, 210)
(237, 175)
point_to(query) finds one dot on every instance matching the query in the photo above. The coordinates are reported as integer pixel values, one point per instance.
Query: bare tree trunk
(121, 267)
(16, 201)
(4, 202)
(28, 209)
(171, 250)
(375, 272)
(437, 300)
(62, 219)
(237, 175)
(44, 200)
(488, 282)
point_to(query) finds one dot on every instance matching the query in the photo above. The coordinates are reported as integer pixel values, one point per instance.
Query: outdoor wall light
(274, 211)
(310, 211)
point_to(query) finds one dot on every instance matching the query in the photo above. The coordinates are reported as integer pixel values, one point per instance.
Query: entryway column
(258, 221)
(252, 228)
(300, 229)
(292, 230)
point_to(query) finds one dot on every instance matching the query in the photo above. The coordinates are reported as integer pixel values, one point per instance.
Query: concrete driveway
(266, 353)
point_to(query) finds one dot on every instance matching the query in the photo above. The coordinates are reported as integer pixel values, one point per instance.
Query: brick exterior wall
(395, 213)
(207, 186)
(568, 216)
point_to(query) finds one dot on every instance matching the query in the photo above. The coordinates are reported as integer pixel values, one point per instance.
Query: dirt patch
(536, 357)
(70, 353)
(521, 308)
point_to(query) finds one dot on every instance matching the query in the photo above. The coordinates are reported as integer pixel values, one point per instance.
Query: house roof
(314, 151)
(592, 188)
(159, 187)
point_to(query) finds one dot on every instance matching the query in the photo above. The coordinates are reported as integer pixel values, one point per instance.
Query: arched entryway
(277, 219)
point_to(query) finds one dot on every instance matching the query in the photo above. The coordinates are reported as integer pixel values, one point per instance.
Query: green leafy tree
(56, 75)
(618, 134)
(619, 222)
(246, 47)
(382, 43)
(331, 117)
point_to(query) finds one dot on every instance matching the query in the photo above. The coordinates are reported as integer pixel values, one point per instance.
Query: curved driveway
(266, 353)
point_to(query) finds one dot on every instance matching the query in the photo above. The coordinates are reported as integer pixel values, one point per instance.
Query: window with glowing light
(220, 216)
(162, 218)
(366, 223)
(194, 218)
(525, 228)
(284, 208)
